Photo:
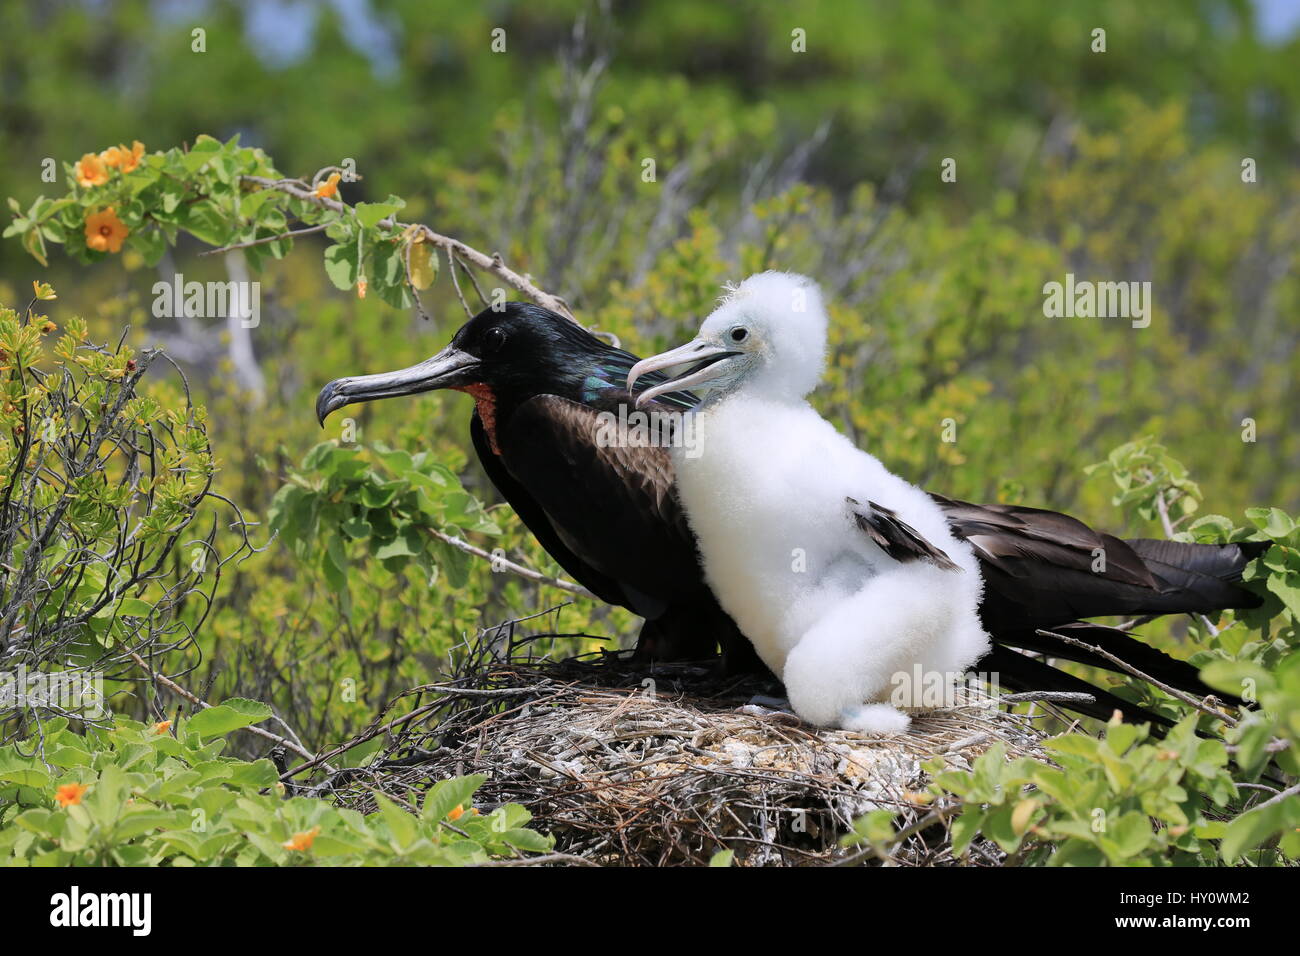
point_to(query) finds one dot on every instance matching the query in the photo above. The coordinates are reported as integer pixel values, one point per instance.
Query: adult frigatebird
(610, 516)
(606, 512)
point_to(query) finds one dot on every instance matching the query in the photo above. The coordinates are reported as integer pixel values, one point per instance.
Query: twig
(965, 742)
(502, 563)
(266, 239)
(1050, 696)
(544, 858)
(1288, 792)
(493, 263)
(451, 267)
(204, 705)
(361, 738)
(937, 815)
(469, 273)
(1163, 510)
(1187, 699)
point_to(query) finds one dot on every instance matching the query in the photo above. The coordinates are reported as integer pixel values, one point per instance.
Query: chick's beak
(449, 368)
(708, 361)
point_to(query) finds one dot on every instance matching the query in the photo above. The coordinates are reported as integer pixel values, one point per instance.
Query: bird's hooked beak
(449, 368)
(709, 362)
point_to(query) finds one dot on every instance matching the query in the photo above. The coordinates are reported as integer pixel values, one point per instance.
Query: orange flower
(90, 171)
(162, 727)
(69, 794)
(302, 841)
(361, 287)
(120, 157)
(329, 188)
(104, 231)
(456, 813)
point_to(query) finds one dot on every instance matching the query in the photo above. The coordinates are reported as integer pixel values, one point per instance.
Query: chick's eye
(493, 339)
(739, 334)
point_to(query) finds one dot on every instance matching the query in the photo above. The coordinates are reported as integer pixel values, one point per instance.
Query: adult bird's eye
(739, 333)
(493, 339)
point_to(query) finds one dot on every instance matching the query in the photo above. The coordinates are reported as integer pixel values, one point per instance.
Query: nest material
(633, 765)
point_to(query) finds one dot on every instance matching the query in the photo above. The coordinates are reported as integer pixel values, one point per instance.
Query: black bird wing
(1208, 575)
(1043, 568)
(896, 537)
(1041, 572)
(535, 519)
(613, 506)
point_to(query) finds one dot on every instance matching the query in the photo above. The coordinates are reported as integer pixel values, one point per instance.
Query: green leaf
(424, 264)
(134, 607)
(1274, 522)
(405, 545)
(150, 243)
(204, 221)
(336, 575)
(1130, 834)
(369, 214)
(379, 495)
(257, 775)
(965, 828)
(341, 265)
(15, 769)
(455, 562)
(34, 243)
(1120, 736)
(998, 827)
(229, 715)
(1287, 587)
(446, 795)
(204, 149)
(529, 841)
(401, 824)
(1234, 676)
(1255, 826)
(357, 528)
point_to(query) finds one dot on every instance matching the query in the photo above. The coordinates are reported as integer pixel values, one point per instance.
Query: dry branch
(454, 248)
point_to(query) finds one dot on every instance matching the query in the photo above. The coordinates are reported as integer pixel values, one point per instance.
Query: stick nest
(632, 764)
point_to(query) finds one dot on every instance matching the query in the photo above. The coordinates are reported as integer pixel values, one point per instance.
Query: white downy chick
(845, 577)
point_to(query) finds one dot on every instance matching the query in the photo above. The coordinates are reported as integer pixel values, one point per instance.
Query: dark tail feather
(1016, 671)
(1136, 653)
(1200, 577)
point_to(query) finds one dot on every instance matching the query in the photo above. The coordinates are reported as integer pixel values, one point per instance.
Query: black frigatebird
(604, 511)
(609, 515)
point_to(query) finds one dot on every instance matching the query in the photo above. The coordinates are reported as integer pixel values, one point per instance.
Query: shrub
(134, 794)
(102, 477)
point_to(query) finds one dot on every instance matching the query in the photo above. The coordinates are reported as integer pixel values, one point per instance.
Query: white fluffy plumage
(845, 625)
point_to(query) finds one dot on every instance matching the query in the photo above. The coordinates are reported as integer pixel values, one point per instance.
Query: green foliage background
(1117, 166)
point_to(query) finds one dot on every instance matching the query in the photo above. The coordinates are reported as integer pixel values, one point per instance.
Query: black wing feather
(614, 507)
(1042, 568)
(896, 537)
(535, 519)
(1018, 672)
